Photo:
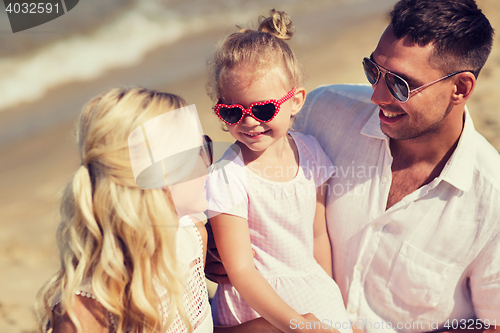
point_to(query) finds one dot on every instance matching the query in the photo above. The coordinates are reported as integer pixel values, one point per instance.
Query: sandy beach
(37, 161)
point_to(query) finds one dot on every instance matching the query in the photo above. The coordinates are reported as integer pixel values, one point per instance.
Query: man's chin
(398, 136)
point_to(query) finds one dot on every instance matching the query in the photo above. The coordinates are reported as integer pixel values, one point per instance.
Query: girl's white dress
(280, 219)
(189, 248)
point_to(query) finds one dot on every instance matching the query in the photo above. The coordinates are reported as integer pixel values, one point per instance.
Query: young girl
(267, 193)
(128, 263)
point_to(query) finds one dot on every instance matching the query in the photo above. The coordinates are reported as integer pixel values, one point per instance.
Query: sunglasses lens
(371, 71)
(207, 150)
(231, 115)
(264, 112)
(398, 88)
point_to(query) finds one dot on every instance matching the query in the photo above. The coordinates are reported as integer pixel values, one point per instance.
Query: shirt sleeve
(485, 283)
(324, 166)
(227, 187)
(316, 160)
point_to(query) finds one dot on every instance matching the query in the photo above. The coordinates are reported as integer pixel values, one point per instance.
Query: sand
(35, 168)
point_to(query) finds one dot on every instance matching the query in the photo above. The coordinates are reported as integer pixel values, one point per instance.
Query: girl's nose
(249, 121)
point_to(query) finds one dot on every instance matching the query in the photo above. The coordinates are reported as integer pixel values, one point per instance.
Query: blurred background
(47, 73)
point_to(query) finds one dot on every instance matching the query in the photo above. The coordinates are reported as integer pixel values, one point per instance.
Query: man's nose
(381, 94)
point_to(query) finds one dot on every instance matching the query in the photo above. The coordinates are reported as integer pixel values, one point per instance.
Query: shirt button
(353, 310)
(384, 179)
(360, 267)
(374, 225)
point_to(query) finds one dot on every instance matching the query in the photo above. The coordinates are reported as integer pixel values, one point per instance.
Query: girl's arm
(233, 242)
(322, 248)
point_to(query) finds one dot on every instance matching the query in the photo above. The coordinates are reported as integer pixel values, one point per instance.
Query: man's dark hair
(461, 34)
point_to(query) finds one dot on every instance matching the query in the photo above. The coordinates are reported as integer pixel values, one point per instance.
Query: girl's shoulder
(308, 145)
(227, 186)
(230, 165)
(231, 154)
(313, 158)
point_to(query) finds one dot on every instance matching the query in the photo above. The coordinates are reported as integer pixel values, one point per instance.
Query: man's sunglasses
(260, 111)
(397, 86)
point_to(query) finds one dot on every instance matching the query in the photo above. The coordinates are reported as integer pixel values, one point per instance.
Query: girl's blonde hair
(259, 49)
(113, 231)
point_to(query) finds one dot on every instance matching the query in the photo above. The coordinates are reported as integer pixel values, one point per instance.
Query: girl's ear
(298, 100)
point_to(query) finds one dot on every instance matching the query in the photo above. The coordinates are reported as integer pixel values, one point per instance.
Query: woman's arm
(322, 247)
(233, 242)
(204, 237)
(92, 317)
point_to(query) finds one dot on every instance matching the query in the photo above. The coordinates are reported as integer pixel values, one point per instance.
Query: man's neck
(430, 149)
(418, 162)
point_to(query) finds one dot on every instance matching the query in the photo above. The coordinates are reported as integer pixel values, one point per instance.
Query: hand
(257, 325)
(316, 325)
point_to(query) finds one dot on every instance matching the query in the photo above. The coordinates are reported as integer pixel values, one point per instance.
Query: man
(413, 211)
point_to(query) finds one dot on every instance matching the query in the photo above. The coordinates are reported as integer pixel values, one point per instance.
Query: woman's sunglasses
(260, 111)
(397, 86)
(207, 151)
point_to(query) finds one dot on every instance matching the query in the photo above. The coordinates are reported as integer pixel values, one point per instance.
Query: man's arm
(485, 289)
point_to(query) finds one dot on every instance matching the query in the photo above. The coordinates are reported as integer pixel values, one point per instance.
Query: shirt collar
(372, 127)
(459, 169)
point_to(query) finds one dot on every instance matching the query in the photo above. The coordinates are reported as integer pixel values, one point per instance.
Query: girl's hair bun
(278, 24)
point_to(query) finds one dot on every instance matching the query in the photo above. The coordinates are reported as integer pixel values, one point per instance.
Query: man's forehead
(399, 55)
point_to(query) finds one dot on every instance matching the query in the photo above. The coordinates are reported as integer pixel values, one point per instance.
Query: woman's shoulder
(92, 316)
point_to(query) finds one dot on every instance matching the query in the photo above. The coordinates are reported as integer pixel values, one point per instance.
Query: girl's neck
(278, 162)
(272, 154)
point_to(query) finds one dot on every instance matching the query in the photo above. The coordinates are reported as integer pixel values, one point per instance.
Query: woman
(128, 263)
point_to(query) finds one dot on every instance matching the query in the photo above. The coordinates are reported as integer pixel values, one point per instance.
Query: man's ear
(298, 100)
(464, 86)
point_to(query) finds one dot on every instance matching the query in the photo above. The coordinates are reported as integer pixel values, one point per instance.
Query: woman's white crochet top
(190, 257)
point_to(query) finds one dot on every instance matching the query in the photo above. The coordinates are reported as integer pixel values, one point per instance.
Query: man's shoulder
(343, 102)
(359, 92)
(487, 163)
(335, 108)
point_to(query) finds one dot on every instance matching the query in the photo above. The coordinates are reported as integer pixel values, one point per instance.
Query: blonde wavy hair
(113, 231)
(261, 50)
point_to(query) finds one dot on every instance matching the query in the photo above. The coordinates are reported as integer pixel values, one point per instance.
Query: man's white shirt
(431, 258)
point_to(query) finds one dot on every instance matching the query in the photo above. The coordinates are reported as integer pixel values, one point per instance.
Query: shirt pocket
(417, 278)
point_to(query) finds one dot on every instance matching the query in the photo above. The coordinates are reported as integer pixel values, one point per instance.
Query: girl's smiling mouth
(255, 135)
